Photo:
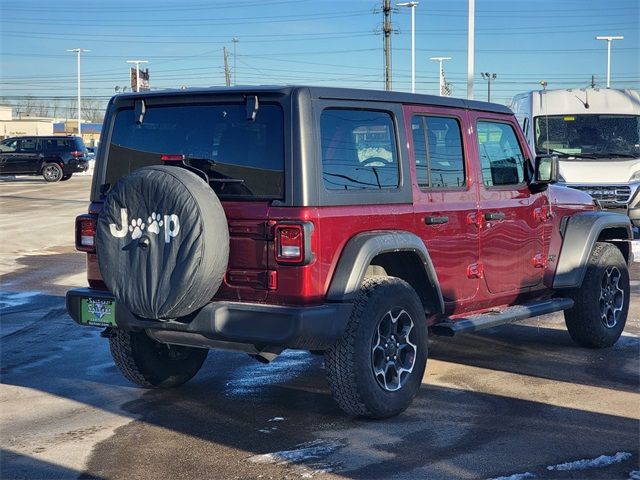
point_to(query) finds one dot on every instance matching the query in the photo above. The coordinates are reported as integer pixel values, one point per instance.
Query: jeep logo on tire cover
(155, 223)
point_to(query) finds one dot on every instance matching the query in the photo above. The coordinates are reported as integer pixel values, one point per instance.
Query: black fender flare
(580, 235)
(361, 249)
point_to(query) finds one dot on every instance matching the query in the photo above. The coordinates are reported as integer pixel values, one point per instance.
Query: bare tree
(92, 110)
(28, 105)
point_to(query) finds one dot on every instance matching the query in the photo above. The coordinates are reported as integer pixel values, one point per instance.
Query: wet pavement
(518, 399)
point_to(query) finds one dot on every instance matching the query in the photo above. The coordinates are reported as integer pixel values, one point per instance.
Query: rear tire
(376, 368)
(52, 172)
(599, 314)
(152, 364)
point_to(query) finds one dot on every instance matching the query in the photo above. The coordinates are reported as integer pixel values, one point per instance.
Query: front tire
(376, 368)
(52, 172)
(152, 364)
(599, 314)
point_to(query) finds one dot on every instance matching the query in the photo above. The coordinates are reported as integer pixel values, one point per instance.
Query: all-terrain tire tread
(582, 322)
(122, 353)
(339, 358)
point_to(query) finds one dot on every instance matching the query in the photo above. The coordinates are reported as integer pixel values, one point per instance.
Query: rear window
(243, 159)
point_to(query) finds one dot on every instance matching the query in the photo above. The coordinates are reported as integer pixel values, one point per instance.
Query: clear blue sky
(319, 42)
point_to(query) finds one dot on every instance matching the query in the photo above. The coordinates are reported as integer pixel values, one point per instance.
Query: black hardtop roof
(334, 93)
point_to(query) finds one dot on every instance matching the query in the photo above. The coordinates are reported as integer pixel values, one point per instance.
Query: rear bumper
(306, 328)
(75, 166)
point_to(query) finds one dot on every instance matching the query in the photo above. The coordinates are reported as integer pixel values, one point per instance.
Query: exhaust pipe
(190, 339)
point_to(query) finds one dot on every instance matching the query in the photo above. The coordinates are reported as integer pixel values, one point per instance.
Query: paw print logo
(154, 222)
(136, 228)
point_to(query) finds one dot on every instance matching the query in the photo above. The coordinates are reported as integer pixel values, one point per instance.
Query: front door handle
(436, 220)
(494, 216)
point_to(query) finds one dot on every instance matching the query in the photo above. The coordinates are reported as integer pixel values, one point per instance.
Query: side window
(8, 146)
(358, 150)
(54, 144)
(28, 145)
(438, 152)
(501, 158)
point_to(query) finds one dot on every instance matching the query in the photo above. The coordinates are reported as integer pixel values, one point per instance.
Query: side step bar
(451, 327)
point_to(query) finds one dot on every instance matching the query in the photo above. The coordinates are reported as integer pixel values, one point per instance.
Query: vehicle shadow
(22, 179)
(544, 352)
(14, 465)
(445, 430)
(235, 408)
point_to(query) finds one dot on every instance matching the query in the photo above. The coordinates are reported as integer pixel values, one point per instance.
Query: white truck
(596, 135)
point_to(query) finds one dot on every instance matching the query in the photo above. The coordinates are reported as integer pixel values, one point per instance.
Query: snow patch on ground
(635, 248)
(250, 379)
(276, 419)
(304, 452)
(600, 462)
(634, 475)
(516, 476)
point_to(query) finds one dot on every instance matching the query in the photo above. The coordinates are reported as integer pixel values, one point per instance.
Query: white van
(596, 134)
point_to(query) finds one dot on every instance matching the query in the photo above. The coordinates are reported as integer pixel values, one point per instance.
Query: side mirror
(546, 170)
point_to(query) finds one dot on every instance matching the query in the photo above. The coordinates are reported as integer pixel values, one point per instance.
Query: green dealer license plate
(98, 312)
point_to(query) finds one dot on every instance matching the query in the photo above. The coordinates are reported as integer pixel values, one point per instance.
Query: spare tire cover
(162, 242)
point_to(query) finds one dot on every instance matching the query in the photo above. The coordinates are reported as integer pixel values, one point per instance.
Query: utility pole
(235, 42)
(137, 63)
(593, 81)
(609, 39)
(470, 48)
(387, 29)
(227, 77)
(488, 77)
(441, 74)
(79, 51)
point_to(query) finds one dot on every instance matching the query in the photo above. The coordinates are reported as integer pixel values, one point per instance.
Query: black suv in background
(55, 158)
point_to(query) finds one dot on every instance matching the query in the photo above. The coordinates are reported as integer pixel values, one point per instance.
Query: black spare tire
(162, 242)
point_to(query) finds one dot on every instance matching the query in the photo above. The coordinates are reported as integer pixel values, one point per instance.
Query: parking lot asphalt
(518, 401)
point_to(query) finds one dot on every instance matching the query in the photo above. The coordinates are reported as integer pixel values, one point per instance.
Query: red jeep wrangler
(345, 221)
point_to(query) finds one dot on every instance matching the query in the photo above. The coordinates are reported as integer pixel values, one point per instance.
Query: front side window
(8, 146)
(243, 158)
(500, 154)
(438, 152)
(358, 150)
(600, 136)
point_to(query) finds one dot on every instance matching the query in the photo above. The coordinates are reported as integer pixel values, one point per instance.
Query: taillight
(77, 154)
(86, 233)
(293, 242)
(171, 158)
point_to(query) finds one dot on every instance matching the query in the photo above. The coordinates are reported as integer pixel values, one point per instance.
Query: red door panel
(511, 237)
(444, 215)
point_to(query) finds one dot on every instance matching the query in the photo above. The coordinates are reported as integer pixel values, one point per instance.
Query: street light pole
(137, 62)
(609, 39)
(79, 51)
(488, 77)
(412, 5)
(441, 74)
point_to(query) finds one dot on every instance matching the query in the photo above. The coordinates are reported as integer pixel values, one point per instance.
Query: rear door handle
(436, 220)
(494, 216)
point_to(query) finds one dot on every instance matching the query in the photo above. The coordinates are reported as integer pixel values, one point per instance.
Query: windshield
(598, 136)
(243, 159)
